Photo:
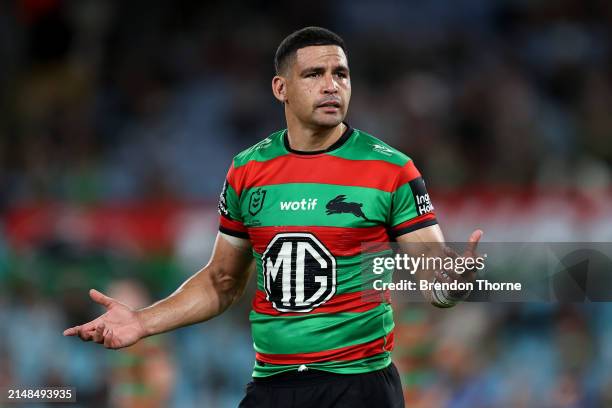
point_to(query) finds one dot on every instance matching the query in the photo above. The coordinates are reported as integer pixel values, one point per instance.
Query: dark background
(118, 121)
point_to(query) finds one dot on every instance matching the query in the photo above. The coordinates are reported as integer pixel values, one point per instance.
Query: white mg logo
(299, 272)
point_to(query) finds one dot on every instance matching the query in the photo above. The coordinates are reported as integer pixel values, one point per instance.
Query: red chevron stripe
(340, 241)
(346, 302)
(323, 169)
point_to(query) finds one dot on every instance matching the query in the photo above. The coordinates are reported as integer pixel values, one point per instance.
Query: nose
(330, 86)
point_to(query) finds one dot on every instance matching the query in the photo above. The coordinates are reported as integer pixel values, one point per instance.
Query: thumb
(473, 242)
(101, 298)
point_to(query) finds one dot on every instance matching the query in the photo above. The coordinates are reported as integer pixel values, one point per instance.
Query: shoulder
(266, 149)
(364, 146)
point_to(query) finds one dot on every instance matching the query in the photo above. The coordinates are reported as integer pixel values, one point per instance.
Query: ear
(279, 88)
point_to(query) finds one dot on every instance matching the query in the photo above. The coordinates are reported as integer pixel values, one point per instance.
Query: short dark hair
(304, 38)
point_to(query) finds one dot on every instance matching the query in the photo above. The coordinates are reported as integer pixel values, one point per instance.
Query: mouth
(330, 106)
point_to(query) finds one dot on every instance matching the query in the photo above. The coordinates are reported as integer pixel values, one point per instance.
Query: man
(296, 207)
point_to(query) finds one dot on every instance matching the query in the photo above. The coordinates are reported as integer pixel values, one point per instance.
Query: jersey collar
(337, 144)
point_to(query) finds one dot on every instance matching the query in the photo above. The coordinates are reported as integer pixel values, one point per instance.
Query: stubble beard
(325, 121)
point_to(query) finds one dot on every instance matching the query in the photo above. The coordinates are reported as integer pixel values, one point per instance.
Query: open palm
(118, 327)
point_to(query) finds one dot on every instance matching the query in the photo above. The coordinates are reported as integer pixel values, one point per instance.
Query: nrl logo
(339, 206)
(382, 149)
(256, 201)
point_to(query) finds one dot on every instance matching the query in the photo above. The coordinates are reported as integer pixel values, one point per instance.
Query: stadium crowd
(115, 104)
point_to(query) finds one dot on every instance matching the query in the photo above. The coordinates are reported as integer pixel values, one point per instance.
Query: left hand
(449, 275)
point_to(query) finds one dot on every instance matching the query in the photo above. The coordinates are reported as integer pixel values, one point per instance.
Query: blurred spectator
(141, 375)
(119, 122)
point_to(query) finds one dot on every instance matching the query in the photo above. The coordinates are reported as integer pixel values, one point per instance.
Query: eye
(341, 74)
(312, 75)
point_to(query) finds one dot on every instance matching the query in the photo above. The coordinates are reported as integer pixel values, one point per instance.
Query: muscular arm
(206, 294)
(429, 241)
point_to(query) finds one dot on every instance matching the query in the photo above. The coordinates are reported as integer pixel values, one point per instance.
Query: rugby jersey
(307, 215)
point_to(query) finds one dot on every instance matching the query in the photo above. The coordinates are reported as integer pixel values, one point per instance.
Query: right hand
(119, 327)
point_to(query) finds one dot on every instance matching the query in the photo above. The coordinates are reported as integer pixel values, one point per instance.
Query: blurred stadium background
(119, 121)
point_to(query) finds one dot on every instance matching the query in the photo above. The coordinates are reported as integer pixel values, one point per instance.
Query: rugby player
(295, 208)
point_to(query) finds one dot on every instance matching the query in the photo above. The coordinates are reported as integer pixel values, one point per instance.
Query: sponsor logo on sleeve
(422, 201)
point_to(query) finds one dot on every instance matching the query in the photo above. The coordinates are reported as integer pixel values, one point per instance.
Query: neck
(306, 139)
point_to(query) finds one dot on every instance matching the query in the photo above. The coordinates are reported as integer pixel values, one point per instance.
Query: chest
(314, 204)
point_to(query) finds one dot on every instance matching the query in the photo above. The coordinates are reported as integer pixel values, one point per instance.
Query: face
(316, 88)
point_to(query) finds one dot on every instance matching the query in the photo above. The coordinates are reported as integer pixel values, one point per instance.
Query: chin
(328, 122)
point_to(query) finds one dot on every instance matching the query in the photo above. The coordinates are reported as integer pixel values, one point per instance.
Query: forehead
(320, 55)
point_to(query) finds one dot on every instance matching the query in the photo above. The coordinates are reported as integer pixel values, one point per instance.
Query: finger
(450, 252)
(83, 334)
(100, 298)
(72, 331)
(473, 242)
(87, 331)
(449, 272)
(108, 339)
(84, 328)
(76, 330)
(442, 276)
(98, 335)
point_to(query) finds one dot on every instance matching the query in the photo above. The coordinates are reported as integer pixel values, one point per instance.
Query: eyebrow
(320, 69)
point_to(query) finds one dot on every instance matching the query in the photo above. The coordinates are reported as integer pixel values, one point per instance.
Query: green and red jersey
(307, 215)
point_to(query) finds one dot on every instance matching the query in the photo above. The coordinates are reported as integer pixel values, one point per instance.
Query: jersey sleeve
(230, 217)
(411, 207)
